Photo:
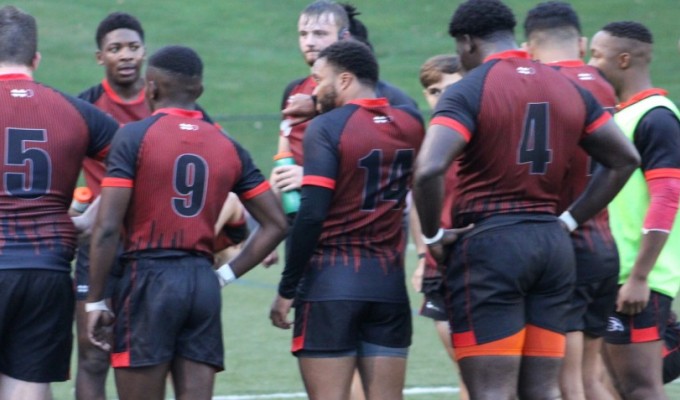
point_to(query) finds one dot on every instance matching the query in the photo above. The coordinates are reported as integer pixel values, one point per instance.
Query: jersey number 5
(396, 186)
(34, 181)
(534, 148)
(190, 181)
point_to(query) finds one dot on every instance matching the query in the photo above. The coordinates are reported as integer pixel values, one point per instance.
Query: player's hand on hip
(287, 177)
(633, 296)
(438, 250)
(99, 323)
(279, 312)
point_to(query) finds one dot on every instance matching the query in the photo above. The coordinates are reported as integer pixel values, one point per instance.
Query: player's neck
(360, 92)
(488, 48)
(174, 104)
(6, 69)
(548, 56)
(127, 92)
(634, 85)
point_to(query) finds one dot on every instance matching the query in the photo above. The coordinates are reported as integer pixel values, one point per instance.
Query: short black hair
(356, 28)
(482, 18)
(118, 20)
(321, 7)
(629, 30)
(354, 57)
(179, 60)
(551, 15)
(18, 36)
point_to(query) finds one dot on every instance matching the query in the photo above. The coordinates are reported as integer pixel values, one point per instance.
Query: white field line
(301, 395)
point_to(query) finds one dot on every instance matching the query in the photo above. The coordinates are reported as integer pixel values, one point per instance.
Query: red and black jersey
(582, 165)
(523, 122)
(45, 136)
(181, 169)
(394, 95)
(107, 100)
(362, 154)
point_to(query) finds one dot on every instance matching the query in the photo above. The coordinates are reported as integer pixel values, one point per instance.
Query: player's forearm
(103, 250)
(650, 247)
(428, 196)
(602, 188)
(304, 237)
(416, 231)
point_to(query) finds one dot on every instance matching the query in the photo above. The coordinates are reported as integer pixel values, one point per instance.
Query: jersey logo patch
(526, 70)
(585, 76)
(188, 127)
(382, 119)
(21, 93)
(615, 325)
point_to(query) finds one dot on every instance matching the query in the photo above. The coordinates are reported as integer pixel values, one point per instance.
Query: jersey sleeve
(121, 163)
(251, 182)
(321, 154)
(596, 116)
(101, 127)
(458, 107)
(657, 138)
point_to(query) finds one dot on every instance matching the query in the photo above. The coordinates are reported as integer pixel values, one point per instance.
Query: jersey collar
(15, 77)
(639, 96)
(508, 54)
(114, 96)
(567, 63)
(370, 103)
(180, 112)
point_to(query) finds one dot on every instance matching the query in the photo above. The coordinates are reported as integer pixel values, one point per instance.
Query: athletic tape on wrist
(226, 274)
(569, 221)
(97, 306)
(434, 239)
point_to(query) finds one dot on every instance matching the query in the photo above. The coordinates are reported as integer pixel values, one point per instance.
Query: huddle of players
(344, 264)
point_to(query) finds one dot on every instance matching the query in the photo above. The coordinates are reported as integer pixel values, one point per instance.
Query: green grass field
(250, 53)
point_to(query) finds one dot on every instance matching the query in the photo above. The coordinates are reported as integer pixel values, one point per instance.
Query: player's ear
(624, 60)
(346, 80)
(582, 46)
(99, 57)
(36, 60)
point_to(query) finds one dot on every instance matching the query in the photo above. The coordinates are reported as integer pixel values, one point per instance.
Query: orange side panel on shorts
(509, 346)
(120, 359)
(644, 335)
(543, 343)
(299, 341)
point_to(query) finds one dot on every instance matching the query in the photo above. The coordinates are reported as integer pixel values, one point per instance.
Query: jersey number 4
(190, 181)
(395, 187)
(534, 148)
(32, 165)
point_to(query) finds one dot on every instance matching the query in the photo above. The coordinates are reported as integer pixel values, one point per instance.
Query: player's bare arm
(105, 236)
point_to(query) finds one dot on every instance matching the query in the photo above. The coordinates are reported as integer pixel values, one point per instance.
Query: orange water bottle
(82, 197)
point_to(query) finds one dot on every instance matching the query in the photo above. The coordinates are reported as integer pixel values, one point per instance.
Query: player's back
(377, 145)
(46, 136)
(524, 121)
(181, 168)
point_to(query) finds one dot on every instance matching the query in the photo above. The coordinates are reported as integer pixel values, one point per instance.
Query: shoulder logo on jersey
(615, 325)
(382, 119)
(21, 93)
(188, 127)
(586, 76)
(526, 70)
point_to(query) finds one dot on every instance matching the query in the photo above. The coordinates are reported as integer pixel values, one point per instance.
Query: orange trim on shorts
(508, 346)
(542, 342)
(118, 182)
(299, 341)
(643, 335)
(120, 360)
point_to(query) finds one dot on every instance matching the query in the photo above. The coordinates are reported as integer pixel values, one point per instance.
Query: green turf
(250, 54)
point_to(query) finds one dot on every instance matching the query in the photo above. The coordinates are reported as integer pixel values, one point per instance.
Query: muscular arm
(273, 226)
(618, 158)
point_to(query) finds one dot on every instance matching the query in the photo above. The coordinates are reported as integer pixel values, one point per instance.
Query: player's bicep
(112, 208)
(657, 138)
(609, 146)
(441, 146)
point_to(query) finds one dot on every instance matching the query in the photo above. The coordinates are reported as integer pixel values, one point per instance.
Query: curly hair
(481, 18)
(354, 57)
(551, 15)
(117, 20)
(629, 30)
(180, 60)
